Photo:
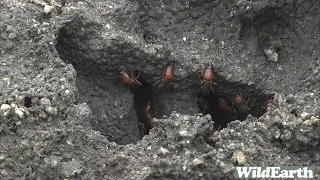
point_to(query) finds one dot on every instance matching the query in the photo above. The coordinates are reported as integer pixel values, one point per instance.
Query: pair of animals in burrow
(145, 124)
(132, 81)
(239, 104)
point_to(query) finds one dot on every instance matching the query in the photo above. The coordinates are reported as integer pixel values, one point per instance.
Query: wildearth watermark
(275, 172)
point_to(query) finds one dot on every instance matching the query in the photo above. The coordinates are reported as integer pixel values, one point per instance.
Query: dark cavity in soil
(119, 111)
(254, 101)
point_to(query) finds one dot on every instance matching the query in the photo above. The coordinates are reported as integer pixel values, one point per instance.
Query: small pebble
(52, 110)
(277, 134)
(183, 133)
(19, 112)
(164, 150)
(5, 107)
(312, 120)
(48, 9)
(239, 158)
(67, 92)
(304, 115)
(45, 101)
(3, 172)
(229, 76)
(196, 161)
(208, 117)
(271, 54)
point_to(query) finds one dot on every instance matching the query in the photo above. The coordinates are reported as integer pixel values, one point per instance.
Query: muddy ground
(66, 115)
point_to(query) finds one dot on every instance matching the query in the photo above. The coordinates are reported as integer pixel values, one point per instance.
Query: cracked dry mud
(66, 115)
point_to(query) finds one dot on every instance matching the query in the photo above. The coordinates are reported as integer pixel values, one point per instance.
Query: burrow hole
(27, 102)
(255, 102)
(118, 110)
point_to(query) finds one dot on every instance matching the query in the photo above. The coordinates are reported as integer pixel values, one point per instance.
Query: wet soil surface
(246, 82)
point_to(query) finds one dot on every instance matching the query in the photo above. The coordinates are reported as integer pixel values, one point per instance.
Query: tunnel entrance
(229, 101)
(122, 113)
(223, 108)
(119, 111)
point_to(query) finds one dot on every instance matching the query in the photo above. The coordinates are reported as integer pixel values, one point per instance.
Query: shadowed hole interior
(117, 109)
(253, 102)
(143, 95)
(27, 102)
